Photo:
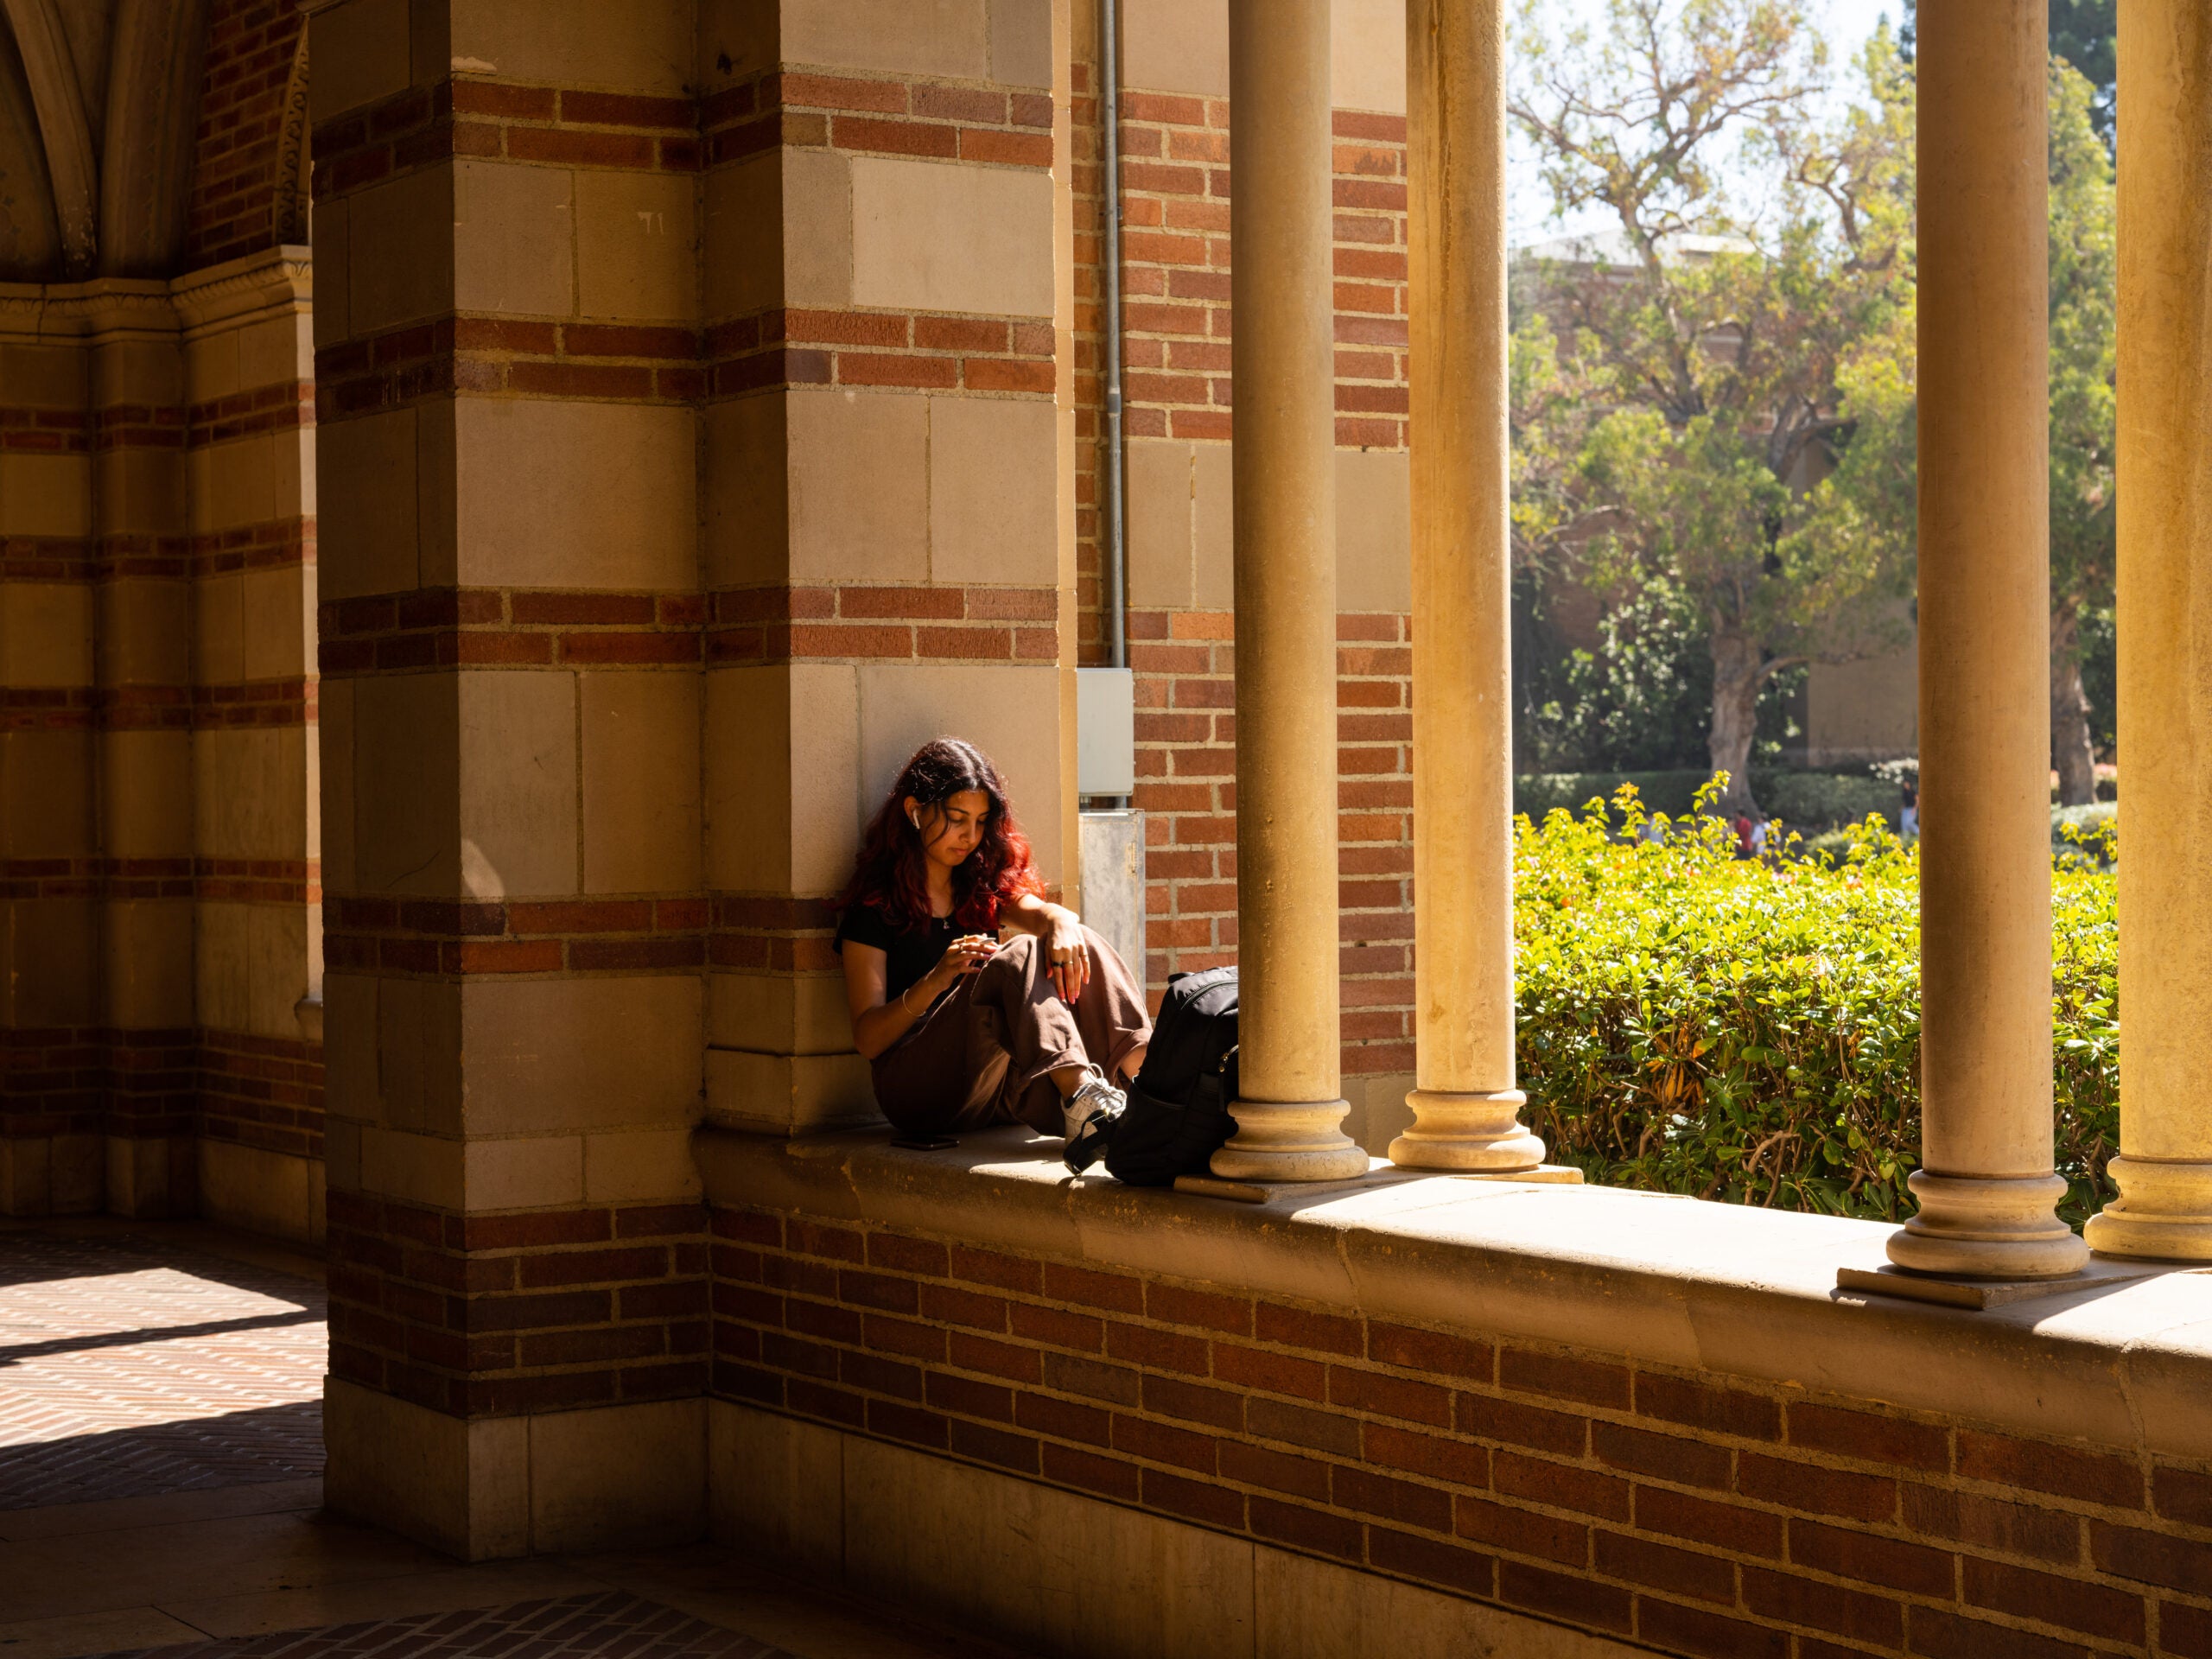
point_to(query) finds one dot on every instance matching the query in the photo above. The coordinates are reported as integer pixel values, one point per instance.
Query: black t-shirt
(912, 951)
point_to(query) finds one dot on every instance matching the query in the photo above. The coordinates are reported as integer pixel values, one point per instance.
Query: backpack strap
(1213, 1090)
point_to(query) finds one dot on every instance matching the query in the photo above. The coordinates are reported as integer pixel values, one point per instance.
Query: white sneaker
(1090, 1115)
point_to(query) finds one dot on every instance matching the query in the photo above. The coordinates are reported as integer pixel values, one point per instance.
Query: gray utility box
(1105, 732)
(1113, 882)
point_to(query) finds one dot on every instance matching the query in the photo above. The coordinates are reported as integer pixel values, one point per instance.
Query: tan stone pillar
(2165, 1171)
(511, 624)
(1987, 1187)
(1465, 1107)
(1281, 293)
(147, 642)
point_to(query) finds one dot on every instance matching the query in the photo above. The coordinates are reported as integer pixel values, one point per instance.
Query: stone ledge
(1671, 1280)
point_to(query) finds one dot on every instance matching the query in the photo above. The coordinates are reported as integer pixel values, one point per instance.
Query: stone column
(1281, 293)
(51, 1056)
(248, 458)
(2165, 1170)
(1987, 1187)
(508, 372)
(150, 752)
(1465, 1107)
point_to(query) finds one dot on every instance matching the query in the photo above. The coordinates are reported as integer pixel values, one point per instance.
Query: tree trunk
(2071, 752)
(1738, 671)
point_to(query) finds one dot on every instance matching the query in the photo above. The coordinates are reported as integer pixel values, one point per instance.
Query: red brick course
(232, 1086)
(522, 627)
(1701, 1517)
(531, 1311)
(264, 1092)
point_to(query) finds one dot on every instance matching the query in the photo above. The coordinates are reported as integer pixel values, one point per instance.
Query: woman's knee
(1099, 945)
(1013, 961)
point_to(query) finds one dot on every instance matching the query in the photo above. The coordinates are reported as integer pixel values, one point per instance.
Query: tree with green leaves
(2084, 272)
(1747, 334)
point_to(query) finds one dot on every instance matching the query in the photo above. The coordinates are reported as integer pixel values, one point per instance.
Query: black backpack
(1179, 1105)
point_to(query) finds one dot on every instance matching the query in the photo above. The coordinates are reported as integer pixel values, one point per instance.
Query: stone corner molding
(278, 278)
(65, 311)
(281, 279)
(1671, 1281)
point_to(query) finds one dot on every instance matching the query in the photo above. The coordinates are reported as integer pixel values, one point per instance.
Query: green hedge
(1807, 800)
(1694, 1023)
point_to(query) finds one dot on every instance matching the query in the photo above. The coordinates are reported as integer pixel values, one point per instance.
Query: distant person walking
(1908, 810)
(1745, 845)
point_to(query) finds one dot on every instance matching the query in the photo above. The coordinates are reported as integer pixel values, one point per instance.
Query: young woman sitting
(962, 1031)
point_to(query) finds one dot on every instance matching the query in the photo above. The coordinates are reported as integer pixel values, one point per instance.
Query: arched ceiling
(100, 104)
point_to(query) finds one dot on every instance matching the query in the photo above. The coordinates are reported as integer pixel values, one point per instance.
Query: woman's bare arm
(877, 1022)
(1060, 931)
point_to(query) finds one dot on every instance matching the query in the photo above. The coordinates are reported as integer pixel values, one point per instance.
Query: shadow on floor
(606, 1623)
(240, 1448)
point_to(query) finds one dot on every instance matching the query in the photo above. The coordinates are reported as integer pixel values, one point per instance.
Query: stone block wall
(512, 618)
(162, 890)
(52, 1070)
(1176, 174)
(1680, 1510)
(887, 548)
(692, 382)
(160, 886)
(249, 464)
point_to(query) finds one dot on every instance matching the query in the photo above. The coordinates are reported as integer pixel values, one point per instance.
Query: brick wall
(496, 1315)
(264, 1092)
(1175, 279)
(1693, 1514)
(252, 117)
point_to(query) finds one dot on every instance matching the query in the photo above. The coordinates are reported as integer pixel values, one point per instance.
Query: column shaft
(1987, 1187)
(1465, 1106)
(1282, 293)
(2165, 1171)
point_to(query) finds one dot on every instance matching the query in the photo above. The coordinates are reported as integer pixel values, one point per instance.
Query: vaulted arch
(58, 96)
(153, 113)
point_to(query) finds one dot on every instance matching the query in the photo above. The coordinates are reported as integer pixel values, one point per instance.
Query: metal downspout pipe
(1115, 540)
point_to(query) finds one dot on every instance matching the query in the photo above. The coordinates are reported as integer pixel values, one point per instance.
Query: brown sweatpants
(984, 1052)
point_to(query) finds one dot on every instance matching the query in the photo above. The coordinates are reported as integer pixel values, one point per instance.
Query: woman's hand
(961, 957)
(1068, 956)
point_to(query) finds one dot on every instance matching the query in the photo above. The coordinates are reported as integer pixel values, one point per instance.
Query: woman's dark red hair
(891, 874)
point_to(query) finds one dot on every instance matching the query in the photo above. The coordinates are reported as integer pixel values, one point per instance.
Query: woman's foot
(1090, 1115)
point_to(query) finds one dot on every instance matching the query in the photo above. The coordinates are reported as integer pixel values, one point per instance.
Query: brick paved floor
(130, 1366)
(599, 1626)
(161, 1456)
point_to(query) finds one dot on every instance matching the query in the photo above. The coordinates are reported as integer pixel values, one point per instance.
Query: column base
(1988, 1228)
(1473, 1132)
(1297, 1140)
(2163, 1212)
